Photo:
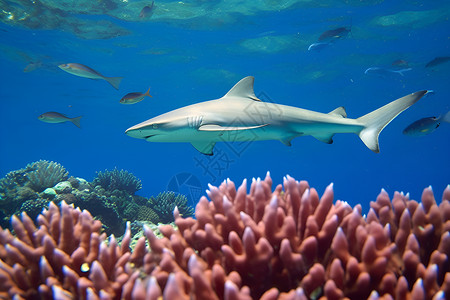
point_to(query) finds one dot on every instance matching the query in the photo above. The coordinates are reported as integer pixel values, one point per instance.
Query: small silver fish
(86, 72)
(384, 72)
(317, 46)
(132, 98)
(426, 126)
(55, 117)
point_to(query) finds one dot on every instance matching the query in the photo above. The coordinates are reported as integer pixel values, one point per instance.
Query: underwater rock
(63, 187)
(49, 193)
(83, 184)
(411, 19)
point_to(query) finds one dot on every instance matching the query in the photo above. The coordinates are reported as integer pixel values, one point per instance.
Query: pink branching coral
(285, 243)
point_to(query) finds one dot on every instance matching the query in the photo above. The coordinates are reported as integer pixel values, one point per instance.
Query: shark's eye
(155, 126)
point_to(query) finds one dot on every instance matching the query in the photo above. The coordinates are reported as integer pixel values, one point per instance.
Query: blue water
(188, 60)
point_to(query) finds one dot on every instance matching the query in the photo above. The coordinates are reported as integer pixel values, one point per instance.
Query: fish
(426, 126)
(437, 61)
(132, 98)
(317, 46)
(240, 116)
(55, 117)
(147, 11)
(400, 63)
(384, 72)
(86, 72)
(32, 66)
(337, 33)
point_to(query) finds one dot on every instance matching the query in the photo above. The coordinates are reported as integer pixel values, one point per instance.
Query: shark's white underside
(240, 116)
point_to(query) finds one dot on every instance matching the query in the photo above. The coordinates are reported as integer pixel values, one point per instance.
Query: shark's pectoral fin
(204, 147)
(287, 140)
(339, 112)
(326, 138)
(214, 127)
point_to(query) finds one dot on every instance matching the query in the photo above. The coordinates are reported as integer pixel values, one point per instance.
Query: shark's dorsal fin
(204, 147)
(340, 112)
(243, 89)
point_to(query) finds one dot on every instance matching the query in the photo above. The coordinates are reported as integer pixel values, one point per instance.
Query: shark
(240, 116)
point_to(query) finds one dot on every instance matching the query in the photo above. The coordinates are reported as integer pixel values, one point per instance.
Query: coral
(13, 192)
(102, 206)
(145, 213)
(289, 244)
(118, 180)
(46, 174)
(11, 187)
(110, 197)
(165, 203)
(34, 207)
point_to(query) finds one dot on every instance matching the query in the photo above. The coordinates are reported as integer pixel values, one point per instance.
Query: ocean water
(192, 51)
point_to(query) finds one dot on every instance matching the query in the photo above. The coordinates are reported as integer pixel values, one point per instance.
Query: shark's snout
(134, 132)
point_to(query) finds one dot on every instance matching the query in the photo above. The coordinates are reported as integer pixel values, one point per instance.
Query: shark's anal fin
(214, 127)
(326, 138)
(204, 147)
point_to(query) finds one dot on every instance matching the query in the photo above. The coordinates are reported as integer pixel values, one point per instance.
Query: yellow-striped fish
(132, 98)
(86, 72)
(55, 117)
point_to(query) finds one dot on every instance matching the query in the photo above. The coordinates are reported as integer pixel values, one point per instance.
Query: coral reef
(165, 203)
(110, 197)
(118, 180)
(13, 191)
(34, 207)
(285, 243)
(45, 174)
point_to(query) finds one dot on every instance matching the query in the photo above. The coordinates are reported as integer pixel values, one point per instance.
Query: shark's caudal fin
(375, 121)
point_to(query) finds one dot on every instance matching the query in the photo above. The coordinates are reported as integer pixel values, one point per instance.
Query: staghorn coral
(165, 203)
(117, 180)
(45, 174)
(265, 245)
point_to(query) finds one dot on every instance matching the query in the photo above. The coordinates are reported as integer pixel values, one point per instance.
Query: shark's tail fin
(375, 121)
